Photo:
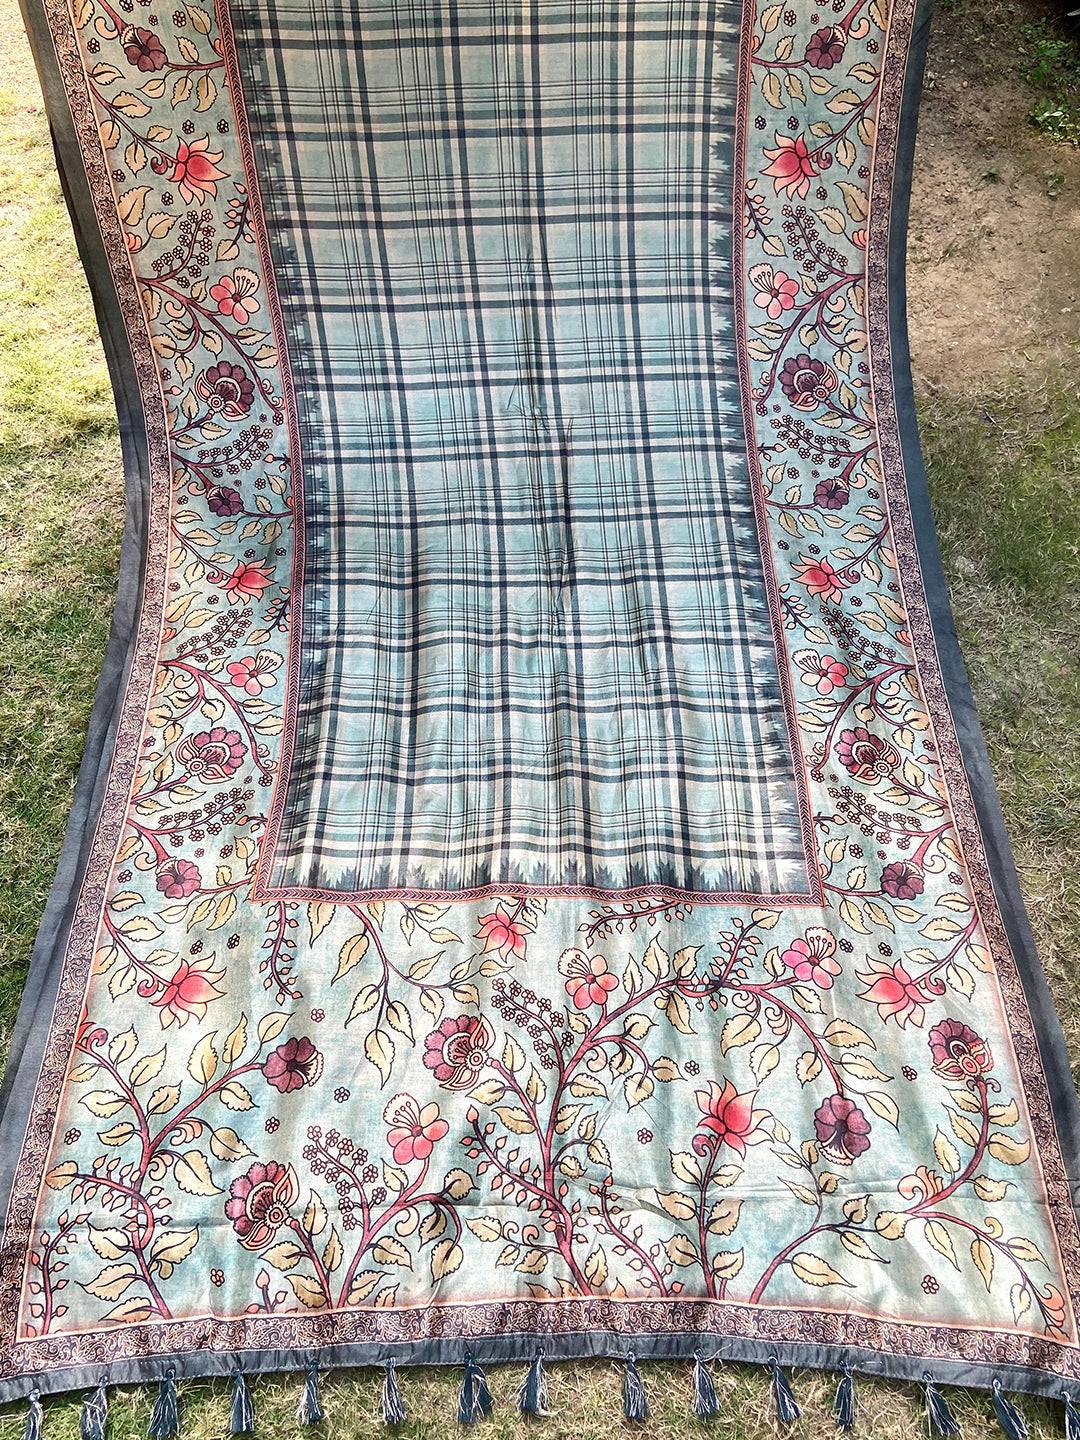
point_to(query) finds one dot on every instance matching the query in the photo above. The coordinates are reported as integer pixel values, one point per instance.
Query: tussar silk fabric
(535, 879)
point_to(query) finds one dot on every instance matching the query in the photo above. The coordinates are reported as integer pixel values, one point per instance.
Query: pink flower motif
(457, 1050)
(253, 673)
(195, 171)
(259, 1202)
(247, 582)
(773, 293)
(810, 957)
(825, 672)
(730, 1118)
(588, 980)
(896, 995)
(177, 879)
(502, 934)
(792, 169)
(234, 295)
(191, 989)
(414, 1131)
(819, 577)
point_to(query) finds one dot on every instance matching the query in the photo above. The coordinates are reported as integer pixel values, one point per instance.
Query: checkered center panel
(536, 644)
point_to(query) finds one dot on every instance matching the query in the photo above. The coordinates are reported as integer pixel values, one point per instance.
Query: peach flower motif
(730, 1118)
(810, 957)
(896, 995)
(193, 986)
(502, 933)
(195, 172)
(253, 673)
(773, 293)
(588, 980)
(414, 1130)
(234, 295)
(792, 168)
(247, 582)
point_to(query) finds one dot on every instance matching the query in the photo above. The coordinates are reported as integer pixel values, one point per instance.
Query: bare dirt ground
(994, 244)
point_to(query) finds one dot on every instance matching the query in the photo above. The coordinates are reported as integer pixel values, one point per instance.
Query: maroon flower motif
(867, 757)
(843, 1131)
(457, 1050)
(826, 48)
(807, 382)
(178, 879)
(293, 1065)
(259, 1202)
(224, 500)
(958, 1052)
(212, 754)
(831, 494)
(902, 881)
(144, 50)
(226, 390)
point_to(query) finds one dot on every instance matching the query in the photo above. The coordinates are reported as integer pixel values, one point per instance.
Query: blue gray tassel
(787, 1412)
(309, 1411)
(474, 1400)
(1072, 1417)
(844, 1404)
(533, 1397)
(1009, 1417)
(165, 1416)
(242, 1415)
(94, 1414)
(942, 1420)
(34, 1417)
(393, 1405)
(706, 1404)
(635, 1405)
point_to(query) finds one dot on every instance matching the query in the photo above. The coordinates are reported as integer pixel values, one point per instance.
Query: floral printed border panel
(275, 1128)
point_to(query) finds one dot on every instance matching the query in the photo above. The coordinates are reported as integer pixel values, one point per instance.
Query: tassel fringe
(393, 1406)
(474, 1400)
(94, 1414)
(242, 1416)
(787, 1412)
(165, 1416)
(942, 1420)
(1009, 1417)
(706, 1404)
(309, 1411)
(34, 1417)
(844, 1404)
(533, 1396)
(635, 1403)
(1072, 1417)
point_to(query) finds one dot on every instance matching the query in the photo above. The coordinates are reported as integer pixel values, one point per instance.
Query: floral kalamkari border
(814, 1326)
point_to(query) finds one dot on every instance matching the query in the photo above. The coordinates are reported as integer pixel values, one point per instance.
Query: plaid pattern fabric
(536, 640)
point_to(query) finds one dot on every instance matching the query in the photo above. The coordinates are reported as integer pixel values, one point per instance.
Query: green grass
(1005, 475)
(1053, 72)
(60, 511)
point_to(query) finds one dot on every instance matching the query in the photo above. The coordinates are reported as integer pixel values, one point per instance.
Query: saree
(535, 888)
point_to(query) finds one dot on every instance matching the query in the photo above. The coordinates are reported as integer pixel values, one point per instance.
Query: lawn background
(995, 271)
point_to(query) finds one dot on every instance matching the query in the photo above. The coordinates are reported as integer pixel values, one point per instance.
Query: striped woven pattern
(536, 648)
